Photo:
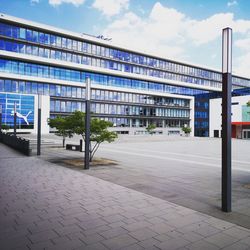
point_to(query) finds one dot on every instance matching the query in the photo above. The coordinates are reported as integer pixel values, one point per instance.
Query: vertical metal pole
(1, 112)
(15, 118)
(87, 125)
(39, 125)
(226, 120)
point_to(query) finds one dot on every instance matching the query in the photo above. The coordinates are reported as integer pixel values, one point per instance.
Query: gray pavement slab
(72, 210)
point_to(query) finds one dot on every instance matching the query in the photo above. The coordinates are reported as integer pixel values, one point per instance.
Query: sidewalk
(45, 206)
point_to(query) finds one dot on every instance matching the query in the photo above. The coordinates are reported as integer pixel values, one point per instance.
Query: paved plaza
(47, 206)
(185, 171)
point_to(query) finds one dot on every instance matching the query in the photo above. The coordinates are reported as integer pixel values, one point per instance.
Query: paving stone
(148, 243)
(137, 225)
(133, 247)
(15, 242)
(91, 239)
(41, 245)
(113, 232)
(221, 240)
(237, 232)
(172, 244)
(113, 218)
(143, 234)
(237, 246)
(192, 236)
(162, 237)
(245, 241)
(161, 228)
(207, 231)
(119, 242)
(43, 236)
(66, 243)
(95, 246)
(202, 244)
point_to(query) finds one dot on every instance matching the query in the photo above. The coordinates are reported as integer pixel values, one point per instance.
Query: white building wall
(45, 110)
(216, 110)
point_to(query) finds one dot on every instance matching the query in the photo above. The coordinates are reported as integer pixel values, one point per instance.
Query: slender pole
(226, 120)
(1, 112)
(39, 125)
(87, 125)
(15, 118)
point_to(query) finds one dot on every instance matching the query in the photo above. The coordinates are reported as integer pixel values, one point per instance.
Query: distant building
(240, 117)
(130, 88)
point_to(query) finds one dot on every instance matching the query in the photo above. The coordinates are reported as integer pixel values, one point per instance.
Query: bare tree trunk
(63, 142)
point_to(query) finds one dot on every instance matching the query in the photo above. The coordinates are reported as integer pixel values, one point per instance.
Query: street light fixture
(15, 117)
(226, 120)
(1, 112)
(39, 114)
(87, 124)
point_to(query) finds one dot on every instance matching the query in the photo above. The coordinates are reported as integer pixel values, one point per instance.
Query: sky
(182, 30)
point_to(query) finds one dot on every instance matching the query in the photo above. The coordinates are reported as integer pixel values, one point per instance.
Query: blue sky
(185, 30)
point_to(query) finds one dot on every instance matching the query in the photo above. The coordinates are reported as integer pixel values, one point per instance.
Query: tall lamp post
(226, 120)
(39, 125)
(87, 124)
(15, 118)
(1, 112)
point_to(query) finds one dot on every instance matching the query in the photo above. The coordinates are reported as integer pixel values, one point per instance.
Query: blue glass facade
(24, 109)
(124, 107)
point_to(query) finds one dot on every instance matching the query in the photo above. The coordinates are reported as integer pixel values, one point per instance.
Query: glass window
(79, 93)
(69, 43)
(14, 86)
(2, 81)
(74, 45)
(68, 106)
(46, 39)
(46, 89)
(58, 41)
(35, 36)
(68, 91)
(22, 87)
(22, 33)
(41, 37)
(34, 88)
(29, 35)
(52, 89)
(52, 40)
(40, 88)
(57, 106)
(74, 92)
(63, 106)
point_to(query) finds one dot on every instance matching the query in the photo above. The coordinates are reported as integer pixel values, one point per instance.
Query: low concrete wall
(20, 144)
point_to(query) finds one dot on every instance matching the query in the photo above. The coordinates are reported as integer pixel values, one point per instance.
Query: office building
(130, 88)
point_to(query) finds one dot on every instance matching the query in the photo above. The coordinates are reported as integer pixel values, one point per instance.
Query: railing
(20, 144)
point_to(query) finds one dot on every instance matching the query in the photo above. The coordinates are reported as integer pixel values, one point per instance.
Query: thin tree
(61, 124)
(99, 132)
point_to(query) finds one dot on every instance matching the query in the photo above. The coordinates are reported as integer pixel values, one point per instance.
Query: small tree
(99, 133)
(186, 130)
(248, 104)
(150, 128)
(98, 130)
(61, 125)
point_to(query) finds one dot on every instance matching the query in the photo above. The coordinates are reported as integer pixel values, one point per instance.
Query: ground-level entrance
(241, 130)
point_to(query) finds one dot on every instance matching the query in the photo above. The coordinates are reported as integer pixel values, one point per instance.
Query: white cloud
(243, 44)
(242, 65)
(58, 2)
(110, 7)
(232, 3)
(170, 33)
(242, 62)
